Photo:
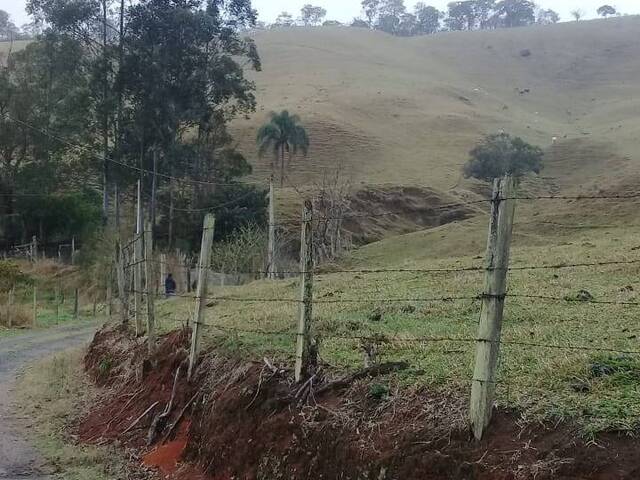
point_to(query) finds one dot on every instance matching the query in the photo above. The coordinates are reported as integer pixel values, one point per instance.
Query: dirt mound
(246, 420)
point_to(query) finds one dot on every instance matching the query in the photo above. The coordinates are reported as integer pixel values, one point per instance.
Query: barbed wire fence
(305, 339)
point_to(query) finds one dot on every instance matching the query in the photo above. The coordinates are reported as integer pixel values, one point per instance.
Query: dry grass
(52, 394)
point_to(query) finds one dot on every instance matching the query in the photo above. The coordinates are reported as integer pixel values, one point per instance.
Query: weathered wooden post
(271, 241)
(495, 289)
(137, 268)
(122, 287)
(35, 306)
(73, 250)
(163, 270)
(57, 302)
(34, 248)
(76, 303)
(305, 354)
(148, 270)
(201, 288)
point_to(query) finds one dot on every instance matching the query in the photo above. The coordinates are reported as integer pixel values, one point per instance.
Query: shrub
(501, 154)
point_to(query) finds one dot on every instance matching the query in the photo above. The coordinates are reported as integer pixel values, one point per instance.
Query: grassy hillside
(407, 110)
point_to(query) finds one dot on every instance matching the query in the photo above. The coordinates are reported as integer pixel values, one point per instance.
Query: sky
(345, 10)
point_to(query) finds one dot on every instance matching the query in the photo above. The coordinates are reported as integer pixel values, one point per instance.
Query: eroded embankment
(247, 420)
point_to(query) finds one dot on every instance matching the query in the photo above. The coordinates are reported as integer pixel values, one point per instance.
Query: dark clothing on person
(169, 286)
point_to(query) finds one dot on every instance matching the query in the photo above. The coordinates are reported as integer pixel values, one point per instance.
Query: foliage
(312, 15)
(428, 18)
(606, 10)
(284, 136)
(547, 17)
(243, 252)
(285, 19)
(577, 14)
(515, 13)
(10, 275)
(501, 154)
(359, 23)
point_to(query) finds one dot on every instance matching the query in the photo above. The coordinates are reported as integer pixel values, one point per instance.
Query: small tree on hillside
(501, 154)
(285, 19)
(577, 14)
(606, 10)
(285, 137)
(312, 15)
(547, 17)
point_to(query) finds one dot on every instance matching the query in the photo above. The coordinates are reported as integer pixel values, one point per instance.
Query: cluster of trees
(9, 31)
(392, 16)
(111, 93)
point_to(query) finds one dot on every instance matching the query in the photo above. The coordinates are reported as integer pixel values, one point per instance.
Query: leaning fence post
(148, 273)
(304, 354)
(201, 288)
(495, 289)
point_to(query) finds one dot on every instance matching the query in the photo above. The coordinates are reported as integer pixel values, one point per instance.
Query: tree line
(111, 93)
(393, 16)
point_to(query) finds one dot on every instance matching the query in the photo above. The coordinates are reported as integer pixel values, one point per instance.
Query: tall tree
(428, 18)
(371, 9)
(516, 13)
(312, 15)
(577, 14)
(606, 10)
(461, 15)
(285, 19)
(547, 17)
(284, 137)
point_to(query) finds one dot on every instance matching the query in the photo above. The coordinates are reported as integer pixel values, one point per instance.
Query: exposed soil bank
(246, 420)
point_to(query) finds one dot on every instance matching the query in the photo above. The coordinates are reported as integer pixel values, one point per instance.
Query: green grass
(540, 381)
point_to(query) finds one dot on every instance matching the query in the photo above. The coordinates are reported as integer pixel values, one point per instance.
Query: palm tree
(284, 136)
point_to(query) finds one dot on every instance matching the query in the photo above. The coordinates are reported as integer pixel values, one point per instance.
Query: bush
(501, 154)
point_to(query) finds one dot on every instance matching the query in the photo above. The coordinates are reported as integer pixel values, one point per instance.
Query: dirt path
(18, 460)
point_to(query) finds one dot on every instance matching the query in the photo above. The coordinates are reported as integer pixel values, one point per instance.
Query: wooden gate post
(148, 270)
(137, 269)
(304, 354)
(271, 246)
(201, 288)
(495, 289)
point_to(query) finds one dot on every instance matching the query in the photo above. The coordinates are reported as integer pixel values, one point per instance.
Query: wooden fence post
(148, 270)
(34, 248)
(76, 303)
(73, 250)
(305, 356)
(35, 306)
(271, 245)
(163, 271)
(122, 287)
(495, 289)
(137, 268)
(57, 302)
(201, 288)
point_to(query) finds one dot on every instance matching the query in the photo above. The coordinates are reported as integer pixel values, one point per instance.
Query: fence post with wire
(201, 289)
(305, 347)
(493, 298)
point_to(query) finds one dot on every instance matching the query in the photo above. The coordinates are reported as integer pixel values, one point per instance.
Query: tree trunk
(171, 211)
(282, 167)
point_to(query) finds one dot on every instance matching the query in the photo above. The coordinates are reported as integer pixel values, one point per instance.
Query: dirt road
(18, 460)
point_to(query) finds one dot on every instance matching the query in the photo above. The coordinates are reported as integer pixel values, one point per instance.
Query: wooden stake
(73, 250)
(271, 246)
(201, 289)
(488, 345)
(35, 306)
(57, 302)
(148, 270)
(137, 269)
(304, 354)
(163, 270)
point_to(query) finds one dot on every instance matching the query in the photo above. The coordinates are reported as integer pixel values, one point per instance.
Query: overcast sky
(345, 10)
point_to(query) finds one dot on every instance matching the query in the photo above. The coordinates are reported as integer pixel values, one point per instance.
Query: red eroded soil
(246, 423)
